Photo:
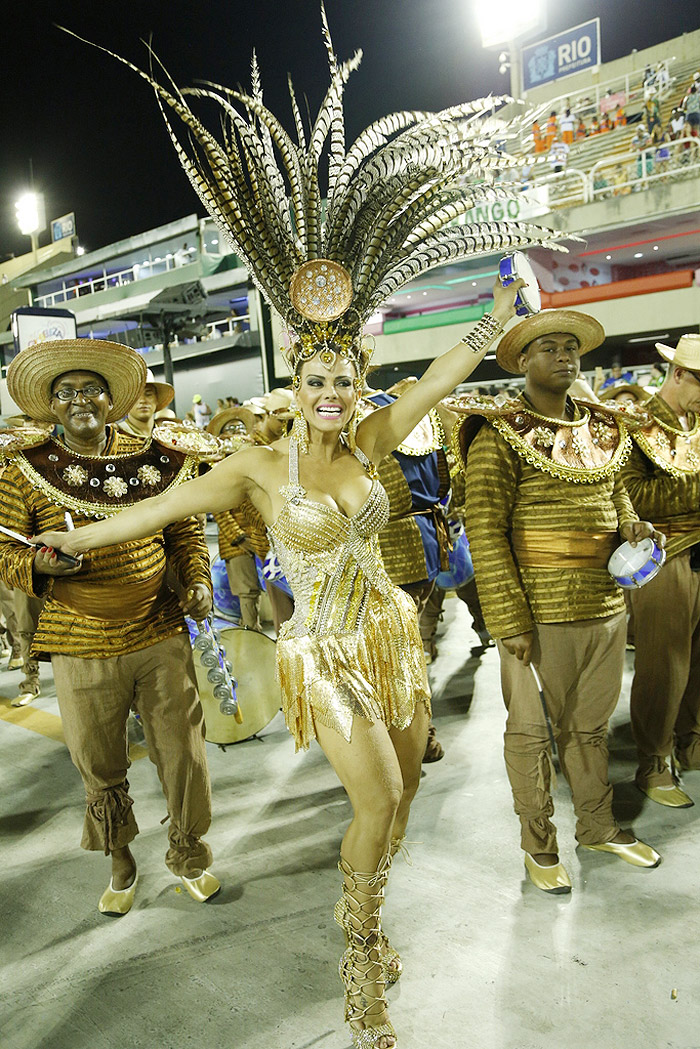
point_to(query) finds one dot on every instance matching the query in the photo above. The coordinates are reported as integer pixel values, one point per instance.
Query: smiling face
(327, 394)
(83, 416)
(551, 362)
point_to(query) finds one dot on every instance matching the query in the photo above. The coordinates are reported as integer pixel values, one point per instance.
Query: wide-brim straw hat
(613, 392)
(548, 322)
(686, 353)
(32, 372)
(164, 391)
(248, 418)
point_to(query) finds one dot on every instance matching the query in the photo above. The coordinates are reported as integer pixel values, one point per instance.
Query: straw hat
(32, 372)
(548, 322)
(613, 392)
(164, 391)
(686, 353)
(245, 416)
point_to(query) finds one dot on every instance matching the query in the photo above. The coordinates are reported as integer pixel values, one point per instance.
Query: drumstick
(543, 701)
(37, 546)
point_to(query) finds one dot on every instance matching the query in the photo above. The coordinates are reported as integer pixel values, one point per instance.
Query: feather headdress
(390, 211)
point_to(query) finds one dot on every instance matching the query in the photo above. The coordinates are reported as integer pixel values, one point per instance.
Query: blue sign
(561, 55)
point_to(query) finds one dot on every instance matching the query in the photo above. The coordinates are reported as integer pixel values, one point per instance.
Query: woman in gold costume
(350, 660)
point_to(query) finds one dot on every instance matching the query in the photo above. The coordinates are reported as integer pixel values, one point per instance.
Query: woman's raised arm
(220, 489)
(382, 431)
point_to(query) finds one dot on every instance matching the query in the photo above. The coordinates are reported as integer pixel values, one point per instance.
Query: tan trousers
(27, 610)
(245, 585)
(7, 611)
(94, 697)
(580, 666)
(665, 696)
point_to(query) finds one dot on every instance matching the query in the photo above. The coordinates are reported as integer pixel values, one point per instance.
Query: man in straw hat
(662, 477)
(113, 630)
(545, 507)
(242, 531)
(154, 397)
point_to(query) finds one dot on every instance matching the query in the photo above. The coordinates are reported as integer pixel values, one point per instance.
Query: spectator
(620, 181)
(551, 130)
(677, 123)
(660, 139)
(652, 114)
(540, 145)
(605, 124)
(200, 411)
(692, 107)
(617, 377)
(661, 77)
(581, 131)
(595, 127)
(558, 156)
(566, 126)
(620, 116)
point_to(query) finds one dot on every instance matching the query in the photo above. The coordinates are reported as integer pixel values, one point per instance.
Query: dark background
(97, 142)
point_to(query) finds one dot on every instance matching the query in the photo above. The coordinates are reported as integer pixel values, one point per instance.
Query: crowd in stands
(651, 140)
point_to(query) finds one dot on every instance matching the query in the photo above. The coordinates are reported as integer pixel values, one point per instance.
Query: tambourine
(634, 566)
(514, 267)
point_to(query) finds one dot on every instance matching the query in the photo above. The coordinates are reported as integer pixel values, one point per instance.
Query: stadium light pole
(503, 23)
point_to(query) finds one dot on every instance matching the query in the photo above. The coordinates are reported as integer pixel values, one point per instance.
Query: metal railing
(630, 172)
(92, 285)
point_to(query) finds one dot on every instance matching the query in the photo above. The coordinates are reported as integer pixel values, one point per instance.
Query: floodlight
(500, 23)
(31, 214)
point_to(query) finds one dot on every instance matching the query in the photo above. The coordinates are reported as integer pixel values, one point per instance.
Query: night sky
(95, 137)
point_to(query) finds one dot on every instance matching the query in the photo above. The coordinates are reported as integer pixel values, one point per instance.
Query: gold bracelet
(483, 334)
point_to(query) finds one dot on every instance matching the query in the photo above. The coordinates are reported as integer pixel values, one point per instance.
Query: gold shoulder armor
(189, 440)
(20, 438)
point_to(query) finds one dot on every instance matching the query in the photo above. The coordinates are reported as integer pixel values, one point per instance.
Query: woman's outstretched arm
(220, 489)
(382, 431)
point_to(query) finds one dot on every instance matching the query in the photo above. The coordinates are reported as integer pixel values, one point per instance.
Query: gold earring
(300, 430)
(352, 432)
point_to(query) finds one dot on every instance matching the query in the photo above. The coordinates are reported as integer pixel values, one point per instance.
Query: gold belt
(539, 548)
(115, 602)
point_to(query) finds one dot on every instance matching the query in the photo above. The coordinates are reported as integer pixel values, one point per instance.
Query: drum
(252, 658)
(272, 571)
(512, 267)
(633, 566)
(226, 604)
(461, 569)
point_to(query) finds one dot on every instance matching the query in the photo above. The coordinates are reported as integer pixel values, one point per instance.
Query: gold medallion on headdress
(321, 290)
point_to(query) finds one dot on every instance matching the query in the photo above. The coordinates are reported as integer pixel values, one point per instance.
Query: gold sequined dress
(352, 646)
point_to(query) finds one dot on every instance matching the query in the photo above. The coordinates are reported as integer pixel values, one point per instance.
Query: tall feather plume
(395, 202)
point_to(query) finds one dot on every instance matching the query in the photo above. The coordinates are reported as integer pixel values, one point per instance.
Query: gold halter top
(352, 645)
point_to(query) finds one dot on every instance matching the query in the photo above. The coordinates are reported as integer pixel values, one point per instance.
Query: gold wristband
(483, 334)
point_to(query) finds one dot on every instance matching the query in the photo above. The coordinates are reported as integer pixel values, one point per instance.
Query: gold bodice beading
(352, 646)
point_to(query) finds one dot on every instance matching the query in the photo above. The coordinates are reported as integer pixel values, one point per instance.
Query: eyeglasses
(67, 393)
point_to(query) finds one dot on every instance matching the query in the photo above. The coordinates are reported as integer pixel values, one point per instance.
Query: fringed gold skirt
(377, 672)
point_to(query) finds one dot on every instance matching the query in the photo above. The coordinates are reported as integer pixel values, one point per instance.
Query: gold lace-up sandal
(362, 967)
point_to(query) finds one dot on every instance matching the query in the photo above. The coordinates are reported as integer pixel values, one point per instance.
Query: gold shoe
(24, 698)
(638, 853)
(549, 879)
(203, 888)
(14, 663)
(673, 797)
(368, 1037)
(116, 902)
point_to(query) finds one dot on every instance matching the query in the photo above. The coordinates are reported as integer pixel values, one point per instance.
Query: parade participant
(242, 531)
(350, 660)
(662, 477)
(114, 632)
(545, 507)
(154, 398)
